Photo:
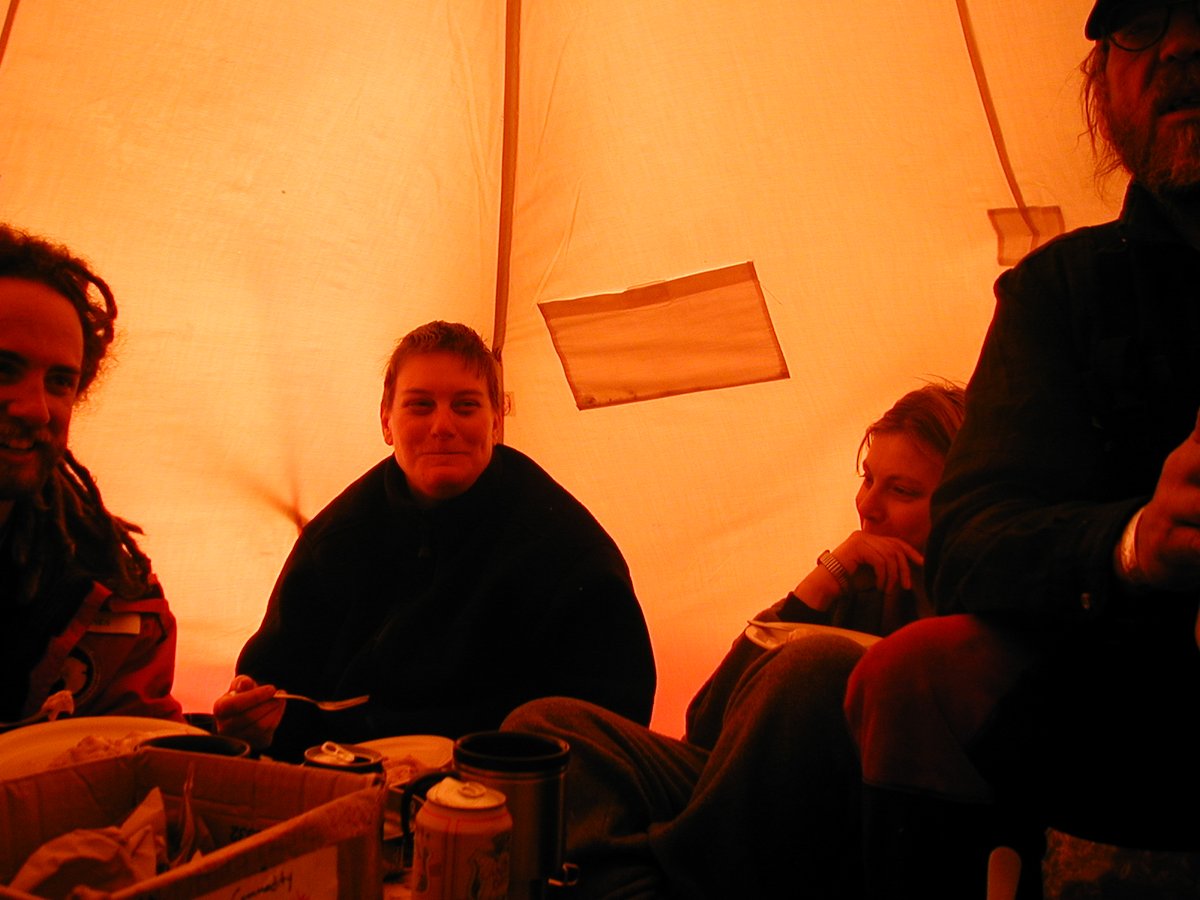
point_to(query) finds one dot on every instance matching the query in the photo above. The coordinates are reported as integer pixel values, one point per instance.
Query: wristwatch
(830, 563)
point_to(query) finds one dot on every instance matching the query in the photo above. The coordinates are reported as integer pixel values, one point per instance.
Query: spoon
(327, 705)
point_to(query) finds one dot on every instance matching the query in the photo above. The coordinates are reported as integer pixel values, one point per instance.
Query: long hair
(930, 415)
(65, 524)
(27, 256)
(68, 527)
(1093, 100)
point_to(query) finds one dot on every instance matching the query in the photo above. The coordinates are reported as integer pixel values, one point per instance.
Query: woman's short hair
(930, 415)
(445, 337)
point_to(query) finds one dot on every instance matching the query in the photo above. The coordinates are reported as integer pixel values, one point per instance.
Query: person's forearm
(819, 589)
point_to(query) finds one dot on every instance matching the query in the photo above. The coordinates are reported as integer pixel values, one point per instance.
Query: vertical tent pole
(8, 24)
(508, 174)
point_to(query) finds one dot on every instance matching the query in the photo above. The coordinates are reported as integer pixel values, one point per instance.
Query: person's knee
(908, 669)
(797, 679)
(552, 715)
(811, 662)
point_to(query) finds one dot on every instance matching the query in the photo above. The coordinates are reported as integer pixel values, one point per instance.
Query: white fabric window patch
(696, 333)
(1016, 236)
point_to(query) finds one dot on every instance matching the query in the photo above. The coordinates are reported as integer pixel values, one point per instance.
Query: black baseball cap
(1099, 23)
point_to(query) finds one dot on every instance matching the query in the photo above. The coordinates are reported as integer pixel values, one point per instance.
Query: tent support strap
(993, 119)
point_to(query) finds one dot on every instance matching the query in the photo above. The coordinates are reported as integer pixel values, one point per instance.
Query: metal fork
(327, 705)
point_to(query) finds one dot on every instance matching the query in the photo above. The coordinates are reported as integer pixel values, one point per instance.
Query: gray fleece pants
(771, 811)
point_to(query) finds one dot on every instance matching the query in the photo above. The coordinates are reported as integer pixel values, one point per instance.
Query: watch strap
(833, 566)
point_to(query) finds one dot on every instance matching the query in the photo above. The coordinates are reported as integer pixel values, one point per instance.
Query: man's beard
(1165, 160)
(1168, 164)
(18, 481)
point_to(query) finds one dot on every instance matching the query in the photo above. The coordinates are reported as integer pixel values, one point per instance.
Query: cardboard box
(283, 831)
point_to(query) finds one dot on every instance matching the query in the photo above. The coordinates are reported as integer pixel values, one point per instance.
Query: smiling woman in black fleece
(452, 582)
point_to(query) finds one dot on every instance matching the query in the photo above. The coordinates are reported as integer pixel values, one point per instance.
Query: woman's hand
(875, 561)
(871, 561)
(249, 711)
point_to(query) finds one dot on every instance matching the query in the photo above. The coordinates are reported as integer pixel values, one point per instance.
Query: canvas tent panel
(278, 190)
(846, 152)
(275, 193)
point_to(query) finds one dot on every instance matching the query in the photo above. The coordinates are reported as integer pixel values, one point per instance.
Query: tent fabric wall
(276, 191)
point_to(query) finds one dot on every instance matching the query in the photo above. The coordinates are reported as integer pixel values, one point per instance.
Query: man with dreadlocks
(80, 609)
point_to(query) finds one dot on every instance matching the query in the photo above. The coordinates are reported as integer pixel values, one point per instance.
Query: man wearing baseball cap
(1060, 686)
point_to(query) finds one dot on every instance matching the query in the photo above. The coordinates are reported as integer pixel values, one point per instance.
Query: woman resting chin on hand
(871, 581)
(767, 771)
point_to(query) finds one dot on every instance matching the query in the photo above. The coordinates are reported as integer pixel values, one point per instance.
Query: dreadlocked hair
(28, 256)
(68, 527)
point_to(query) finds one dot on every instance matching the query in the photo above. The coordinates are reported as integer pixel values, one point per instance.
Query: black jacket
(1089, 376)
(452, 616)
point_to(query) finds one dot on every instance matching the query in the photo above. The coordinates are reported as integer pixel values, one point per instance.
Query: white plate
(769, 635)
(36, 748)
(404, 758)
(427, 751)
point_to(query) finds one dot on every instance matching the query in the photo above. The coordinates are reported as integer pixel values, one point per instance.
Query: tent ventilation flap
(696, 333)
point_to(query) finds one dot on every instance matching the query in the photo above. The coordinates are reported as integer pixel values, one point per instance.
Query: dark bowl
(215, 744)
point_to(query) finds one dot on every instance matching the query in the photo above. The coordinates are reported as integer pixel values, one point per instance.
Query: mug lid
(511, 751)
